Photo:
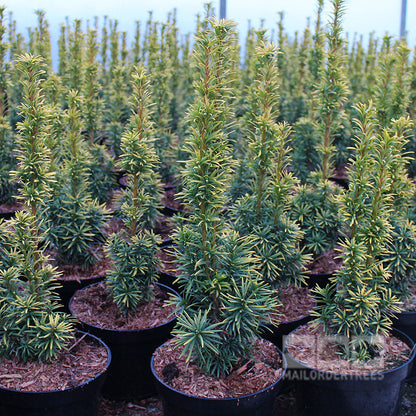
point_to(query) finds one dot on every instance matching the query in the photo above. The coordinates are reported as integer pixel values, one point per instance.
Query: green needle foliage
(332, 91)
(400, 258)
(224, 298)
(74, 221)
(31, 329)
(160, 68)
(7, 159)
(263, 212)
(359, 303)
(315, 204)
(316, 207)
(133, 250)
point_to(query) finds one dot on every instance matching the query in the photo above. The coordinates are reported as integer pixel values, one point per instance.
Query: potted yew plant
(315, 205)
(400, 257)
(127, 310)
(263, 213)
(7, 158)
(46, 367)
(350, 361)
(73, 220)
(209, 367)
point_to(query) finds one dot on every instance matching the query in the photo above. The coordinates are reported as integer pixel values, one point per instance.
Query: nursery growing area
(195, 224)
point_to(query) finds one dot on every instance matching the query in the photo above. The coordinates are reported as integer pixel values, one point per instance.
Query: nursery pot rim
(113, 330)
(84, 279)
(284, 367)
(355, 376)
(101, 342)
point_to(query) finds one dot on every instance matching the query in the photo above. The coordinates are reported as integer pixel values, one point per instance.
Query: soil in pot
(171, 203)
(296, 306)
(8, 211)
(322, 268)
(132, 338)
(340, 176)
(67, 386)
(168, 267)
(328, 385)
(250, 389)
(74, 276)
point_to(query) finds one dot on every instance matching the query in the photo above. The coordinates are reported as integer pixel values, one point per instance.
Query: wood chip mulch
(327, 262)
(409, 305)
(77, 271)
(94, 306)
(296, 302)
(322, 353)
(249, 376)
(168, 262)
(171, 201)
(164, 227)
(82, 362)
(12, 207)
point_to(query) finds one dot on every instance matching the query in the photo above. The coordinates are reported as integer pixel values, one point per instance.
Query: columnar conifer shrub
(7, 160)
(74, 221)
(400, 257)
(225, 302)
(30, 327)
(263, 212)
(315, 204)
(160, 69)
(359, 303)
(133, 250)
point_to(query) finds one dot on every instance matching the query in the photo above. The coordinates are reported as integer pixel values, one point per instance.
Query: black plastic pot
(168, 279)
(169, 211)
(317, 279)
(320, 393)
(406, 322)
(176, 403)
(129, 375)
(80, 400)
(277, 334)
(343, 182)
(8, 215)
(69, 287)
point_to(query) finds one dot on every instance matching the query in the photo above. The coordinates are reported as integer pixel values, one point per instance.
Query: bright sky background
(362, 16)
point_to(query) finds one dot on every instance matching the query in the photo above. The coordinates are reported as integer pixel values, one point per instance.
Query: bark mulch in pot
(82, 362)
(310, 347)
(77, 272)
(296, 302)
(94, 306)
(327, 262)
(12, 207)
(168, 262)
(248, 376)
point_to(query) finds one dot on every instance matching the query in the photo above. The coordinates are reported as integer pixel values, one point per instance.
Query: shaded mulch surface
(94, 306)
(168, 262)
(310, 347)
(285, 405)
(170, 199)
(327, 262)
(247, 377)
(83, 361)
(77, 271)
(12, 207)
(296, 302)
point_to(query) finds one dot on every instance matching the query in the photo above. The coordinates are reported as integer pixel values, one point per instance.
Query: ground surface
(285, 406)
